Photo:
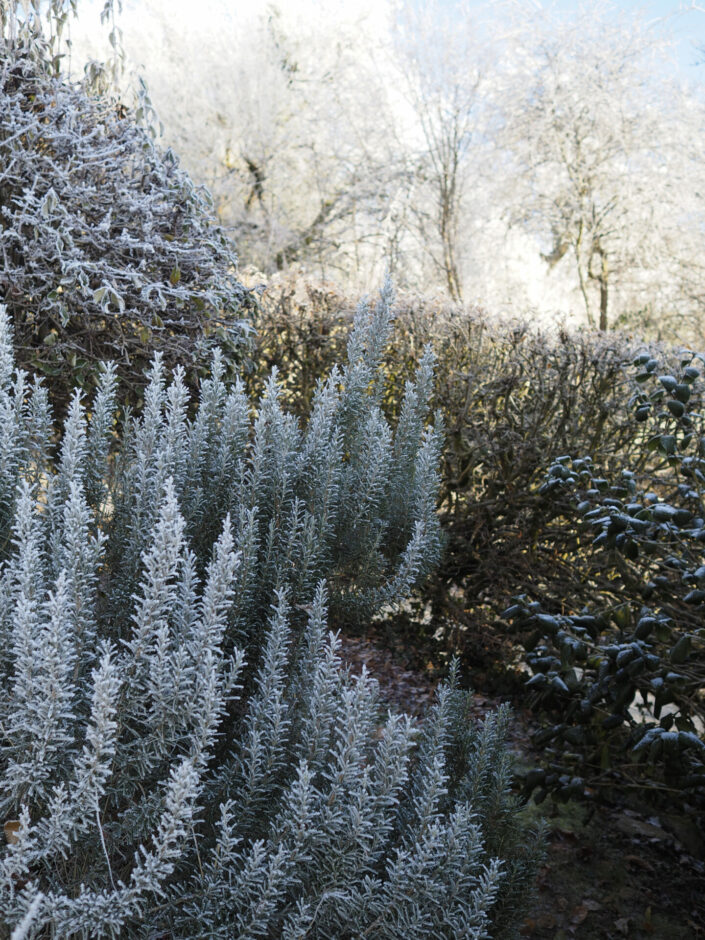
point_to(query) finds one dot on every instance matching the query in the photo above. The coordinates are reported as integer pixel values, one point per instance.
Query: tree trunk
(447, 233)
(602, 279)
(603, 292)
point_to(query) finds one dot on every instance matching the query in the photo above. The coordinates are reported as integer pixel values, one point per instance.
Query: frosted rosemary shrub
(183, 754)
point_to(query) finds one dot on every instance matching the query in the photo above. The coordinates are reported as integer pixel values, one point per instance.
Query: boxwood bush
(109, 250)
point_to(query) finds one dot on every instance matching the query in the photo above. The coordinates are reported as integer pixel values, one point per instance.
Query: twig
(21, 930)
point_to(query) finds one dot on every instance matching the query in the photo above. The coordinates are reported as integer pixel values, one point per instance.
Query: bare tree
(531, 163)
(444, 71)
(603, 171)
(281, 112)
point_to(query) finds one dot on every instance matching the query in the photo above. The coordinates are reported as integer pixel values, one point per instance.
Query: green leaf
(682, 392)
(622, 616)
(663, 632)
(680, 652)
(539, 681)
(630, 550)
(605, 762)
(690, 374)
(667, 443)
(644, 627)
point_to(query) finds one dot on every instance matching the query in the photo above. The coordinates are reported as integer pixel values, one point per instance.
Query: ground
(618, 873)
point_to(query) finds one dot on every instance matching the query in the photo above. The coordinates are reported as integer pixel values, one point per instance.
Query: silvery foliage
(182, 752)
(106, 245)
(47, 24)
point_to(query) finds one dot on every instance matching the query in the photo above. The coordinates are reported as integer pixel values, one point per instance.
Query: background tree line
(524, 160)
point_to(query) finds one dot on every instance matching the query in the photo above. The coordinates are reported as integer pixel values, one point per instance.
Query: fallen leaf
(11, 828)
(622, 925)
(591, 905)
(639, 862)
(638, 827)
(566, 835)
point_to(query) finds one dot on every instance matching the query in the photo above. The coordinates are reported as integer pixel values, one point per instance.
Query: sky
(687, 21)
(687, 18)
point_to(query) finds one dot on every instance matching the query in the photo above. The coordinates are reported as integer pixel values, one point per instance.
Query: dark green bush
(621, 681)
